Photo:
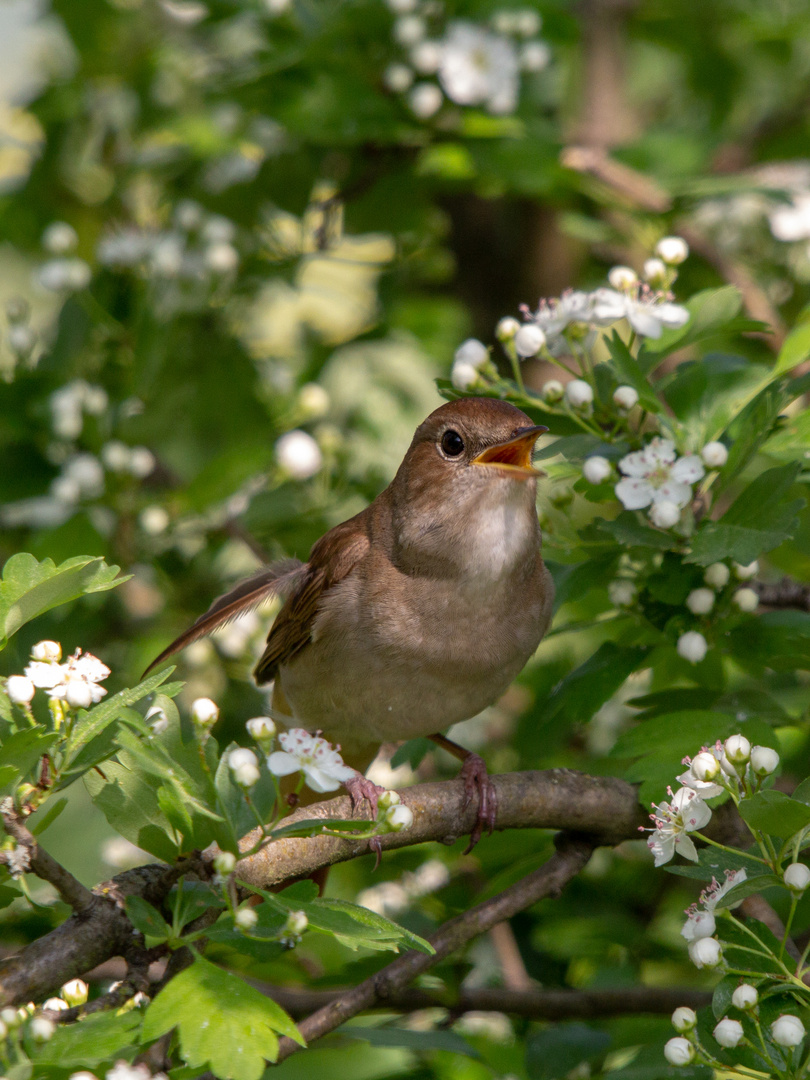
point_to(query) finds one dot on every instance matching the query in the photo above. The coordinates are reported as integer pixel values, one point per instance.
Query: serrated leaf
(128, 801)
(222, 1022)
(775, 813)
(21, 752)
(29, 587)
(147, 919)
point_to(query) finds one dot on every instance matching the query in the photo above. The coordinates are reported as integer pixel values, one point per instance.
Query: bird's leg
(360, 787)
(476, 778)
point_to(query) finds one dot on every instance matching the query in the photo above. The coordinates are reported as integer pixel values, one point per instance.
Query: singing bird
(418, 612)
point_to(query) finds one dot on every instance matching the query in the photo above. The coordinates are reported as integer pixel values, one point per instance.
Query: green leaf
(557, 1050)
(89, 1042)
(222, 1022)
(38, 824)
(128, 800)
(628, 531)
(628, 372)
(147, 919)
(751, 428)
(23, 750)
(795, 350)
(30, 587)
(711, 311)
(189, 899)
(775, 813)
(583, 691)
(420, 1041)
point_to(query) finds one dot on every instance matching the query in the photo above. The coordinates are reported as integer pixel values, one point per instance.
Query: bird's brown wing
(332, 559)
(278, 579)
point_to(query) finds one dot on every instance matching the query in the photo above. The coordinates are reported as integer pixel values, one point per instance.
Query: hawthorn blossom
(317, 759)
(700, 922)
(685, 813)
(75, 681)
(656, 474)
(478, 67)
(703, 768)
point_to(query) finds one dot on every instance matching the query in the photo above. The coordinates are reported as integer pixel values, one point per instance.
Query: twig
(42, 864)
(572, 854)
(532, 1004)
(513, 970)
(786, 593)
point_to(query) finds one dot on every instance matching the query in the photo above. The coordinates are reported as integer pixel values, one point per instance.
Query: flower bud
(700, 601)
(75, 992)
(714, 454)
(463, 376)
(764, 760)
(224, 862)
(684, 1018)
(78, 694)
(529, 340)
(552, 391)
(59, 238)
(738, 749)
(787, 1030)
(425, 99)
(507, 328)
(241, 756)
(298, 455)
(655, 271)
(622, 593)
(692, 646)
(705, 952)
(729, 1033)
(204, 712)
(245, 918)
(399, 817)
(596, 469)
(717, 575)
(42, 1029)
(55, 1004)
(296, 924)
(705, 766)
(10, 1018)
(578, 394)
(745, 996)
(409, 30)
(625, 397)
(472, 352)
(679, 1051)
(622, 277)
(746, 600)
(262, 729)
(797, 877)
(672, 249)
(388, 799)
(398, 78)
(247, 775)
(157, 719)
(19, 689)
(746, 572)
(665, 514)
(49, 651)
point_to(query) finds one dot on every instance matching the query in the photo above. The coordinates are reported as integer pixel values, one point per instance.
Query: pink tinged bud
(684, 1018)
(787, 1030)
(764, 760)
(705, 952)
(745, 997)
(797, 877)
(20, 689)
(738, 749)
(679, 1051)
(596, 469)
(729, 1033)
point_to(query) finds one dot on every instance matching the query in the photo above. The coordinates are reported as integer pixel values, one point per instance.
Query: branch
(46, 867)
(786, 593)
(572, 854)
(533, 1004)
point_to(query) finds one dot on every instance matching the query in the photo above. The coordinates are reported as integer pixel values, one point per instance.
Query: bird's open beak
(514, 456)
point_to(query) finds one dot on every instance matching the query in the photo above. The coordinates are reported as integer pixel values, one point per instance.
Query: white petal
(662, 847)
(672, 491)
(282, 764)
(318, 780)
(672, 315)
(634, 494)
(636, 464)
(688, 469)
(45, 675)
(661, 450)
(686, 847)
(644, 322)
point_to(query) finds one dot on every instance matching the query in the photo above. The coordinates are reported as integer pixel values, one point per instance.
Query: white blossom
(472, 352)
(596, 469)
(705, 952)
(141, 462)
(715, 455)
(672, 250)
(702, 772)
(578, 394)
(321, 764)
(21, 339)
(699, 924)
(745, 996)
(224, 862)
(700, 601)
(426, 57)
(507, 328)
(75, 681)
(298, 455)
(791, 222)
(154, 520)
(664, 514)
(787, 1030)
(534, 56)
(222, 258)
(122, 1070)
(625, 397)
(262, 729)
(797, 876)
(684, 1018)
(409, 30)
(463, 376)
(75, 992)
(746, 600)
(656, 474)
(313, 400)
(679, 1051)
(157, 720)
(744, 573)
(296, 924)
(692, 646)
(764, 760)
(717, 575)
(479, 68)
(20, 689)
(729, 1033)
(622, 593)
(65, 275)
(674, 820)
(425, 99)
(529, 340)
(241, 756)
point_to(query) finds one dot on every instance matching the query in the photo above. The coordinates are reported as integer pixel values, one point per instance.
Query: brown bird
(419, 611)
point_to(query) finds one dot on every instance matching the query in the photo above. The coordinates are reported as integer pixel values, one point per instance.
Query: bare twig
(786, 593)
(572, 854)
(630, 185)
(46, 867)
(533, 1004)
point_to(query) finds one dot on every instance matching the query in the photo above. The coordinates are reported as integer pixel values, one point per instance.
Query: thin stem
(794, 900)
(732, 851)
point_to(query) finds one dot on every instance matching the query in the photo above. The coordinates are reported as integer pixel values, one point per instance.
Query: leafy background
(127, 109)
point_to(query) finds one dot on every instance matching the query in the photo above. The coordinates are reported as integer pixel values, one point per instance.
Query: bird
(418, 612)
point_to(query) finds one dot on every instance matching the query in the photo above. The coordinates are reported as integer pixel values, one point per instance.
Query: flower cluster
(75, 683)
(786, 1031)
(468, 63)
(320, 762)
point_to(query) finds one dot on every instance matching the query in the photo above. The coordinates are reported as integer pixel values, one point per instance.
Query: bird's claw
(375, 846)
(476, 779)
(359, 788)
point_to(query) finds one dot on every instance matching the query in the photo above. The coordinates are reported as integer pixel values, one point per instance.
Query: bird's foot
(476, 779)
(359, 788)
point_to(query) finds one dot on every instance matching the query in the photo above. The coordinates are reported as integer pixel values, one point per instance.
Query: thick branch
(533, 1004)
(572, 854)
(46, 867)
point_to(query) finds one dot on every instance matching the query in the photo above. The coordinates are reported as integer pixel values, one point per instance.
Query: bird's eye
(452, 443)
